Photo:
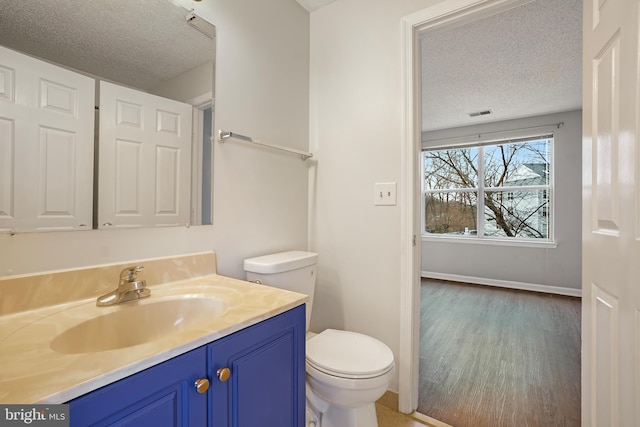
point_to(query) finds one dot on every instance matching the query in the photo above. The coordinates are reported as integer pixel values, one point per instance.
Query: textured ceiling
(312, 5)
(137, 43)
(523, 62)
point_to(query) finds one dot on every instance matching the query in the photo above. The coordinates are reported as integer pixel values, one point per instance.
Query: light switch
(385, 194)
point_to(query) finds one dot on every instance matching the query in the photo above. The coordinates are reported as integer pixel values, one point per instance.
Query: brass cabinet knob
(223, 374)
(202, 385)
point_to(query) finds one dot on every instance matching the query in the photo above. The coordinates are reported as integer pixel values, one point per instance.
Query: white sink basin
(138, 323)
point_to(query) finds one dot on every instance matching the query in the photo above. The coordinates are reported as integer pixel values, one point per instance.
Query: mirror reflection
(106, 113)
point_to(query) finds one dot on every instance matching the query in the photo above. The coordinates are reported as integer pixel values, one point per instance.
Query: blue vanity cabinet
(164, 395)
(265, 385)
(265, 364)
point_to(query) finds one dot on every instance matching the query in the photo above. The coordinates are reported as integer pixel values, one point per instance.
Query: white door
(144, 159)
(611, 215)
(46, 145)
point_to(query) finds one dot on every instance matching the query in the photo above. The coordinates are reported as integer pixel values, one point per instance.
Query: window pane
(449, 169)
(451, 213)
(521, 214)
(517, 164)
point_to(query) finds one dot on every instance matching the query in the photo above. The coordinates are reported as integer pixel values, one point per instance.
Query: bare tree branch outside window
(515, 190)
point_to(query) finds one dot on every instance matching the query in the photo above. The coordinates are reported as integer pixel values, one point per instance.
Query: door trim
(199, 103)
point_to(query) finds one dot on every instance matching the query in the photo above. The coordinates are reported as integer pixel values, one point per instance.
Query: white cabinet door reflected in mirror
(144, 159)
(46, 145)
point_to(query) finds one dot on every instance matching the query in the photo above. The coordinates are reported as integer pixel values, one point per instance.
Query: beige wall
(260, 196)
(356, 129)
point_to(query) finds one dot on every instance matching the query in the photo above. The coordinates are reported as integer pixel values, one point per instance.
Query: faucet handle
(129, 274)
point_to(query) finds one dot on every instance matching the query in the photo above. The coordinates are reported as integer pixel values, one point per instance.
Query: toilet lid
(349, 354)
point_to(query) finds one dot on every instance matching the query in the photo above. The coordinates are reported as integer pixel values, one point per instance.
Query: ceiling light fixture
(201, 24)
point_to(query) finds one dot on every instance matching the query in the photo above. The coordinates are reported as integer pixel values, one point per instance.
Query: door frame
(199, 103)
(457, 12)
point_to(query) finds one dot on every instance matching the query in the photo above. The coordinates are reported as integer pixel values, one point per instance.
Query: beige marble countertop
(32, 372)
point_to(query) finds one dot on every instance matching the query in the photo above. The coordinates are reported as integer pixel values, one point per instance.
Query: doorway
(436, 18)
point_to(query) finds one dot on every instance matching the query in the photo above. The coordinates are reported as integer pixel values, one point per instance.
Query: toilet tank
(294, 271)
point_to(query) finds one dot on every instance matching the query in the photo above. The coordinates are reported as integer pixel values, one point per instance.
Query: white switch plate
(385, 194)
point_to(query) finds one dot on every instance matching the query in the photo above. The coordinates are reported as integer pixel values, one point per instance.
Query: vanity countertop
(32, 372)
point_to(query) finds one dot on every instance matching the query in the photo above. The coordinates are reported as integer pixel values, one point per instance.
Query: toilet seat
(346, 354)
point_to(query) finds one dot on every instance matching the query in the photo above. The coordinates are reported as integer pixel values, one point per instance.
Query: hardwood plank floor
(492, 357)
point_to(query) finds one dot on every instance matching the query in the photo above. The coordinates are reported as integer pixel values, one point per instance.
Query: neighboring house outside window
(498, 190)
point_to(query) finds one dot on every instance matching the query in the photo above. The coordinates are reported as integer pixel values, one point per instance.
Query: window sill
(547, 244)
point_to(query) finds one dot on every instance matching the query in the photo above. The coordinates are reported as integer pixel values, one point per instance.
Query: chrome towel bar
(224, 135)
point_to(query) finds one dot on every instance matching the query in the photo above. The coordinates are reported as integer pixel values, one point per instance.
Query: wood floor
(492, 357)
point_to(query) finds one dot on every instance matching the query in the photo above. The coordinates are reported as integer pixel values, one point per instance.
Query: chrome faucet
(129, 288)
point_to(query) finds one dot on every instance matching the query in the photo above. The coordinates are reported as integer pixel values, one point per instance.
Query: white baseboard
(503, 284)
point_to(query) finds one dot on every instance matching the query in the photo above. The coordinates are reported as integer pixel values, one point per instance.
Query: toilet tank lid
(280, 262)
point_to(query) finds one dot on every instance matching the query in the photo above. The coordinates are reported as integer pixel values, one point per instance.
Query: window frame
(480, 189)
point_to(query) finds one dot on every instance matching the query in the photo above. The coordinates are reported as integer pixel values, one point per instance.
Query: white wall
(355, 134)
(188, 85)
(554, 267)
(260, 196)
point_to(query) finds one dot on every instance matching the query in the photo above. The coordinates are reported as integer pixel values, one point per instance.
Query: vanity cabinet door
(266, 367)
(163, 395)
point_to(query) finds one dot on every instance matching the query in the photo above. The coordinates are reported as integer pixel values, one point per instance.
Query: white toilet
(346, 371)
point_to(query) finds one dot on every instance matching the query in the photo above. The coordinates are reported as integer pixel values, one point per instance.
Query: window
(495, 190)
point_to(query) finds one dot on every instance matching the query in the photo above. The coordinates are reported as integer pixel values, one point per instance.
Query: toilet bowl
(346, 371)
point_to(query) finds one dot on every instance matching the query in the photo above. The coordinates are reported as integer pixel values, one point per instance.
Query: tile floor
(388, 415)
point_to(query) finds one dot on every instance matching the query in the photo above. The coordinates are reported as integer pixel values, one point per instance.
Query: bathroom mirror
(158, 47)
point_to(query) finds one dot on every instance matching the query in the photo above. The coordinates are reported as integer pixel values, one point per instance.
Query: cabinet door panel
(266, 387)
(163, 395)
